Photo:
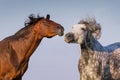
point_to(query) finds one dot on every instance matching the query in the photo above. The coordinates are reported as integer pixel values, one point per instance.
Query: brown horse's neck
(26, 42)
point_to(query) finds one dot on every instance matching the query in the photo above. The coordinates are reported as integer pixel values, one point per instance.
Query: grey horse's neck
(92, 44)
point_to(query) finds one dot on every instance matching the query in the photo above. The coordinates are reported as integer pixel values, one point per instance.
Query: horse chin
(72, 41)
(69, 41)
(50, 37)
(59, 34)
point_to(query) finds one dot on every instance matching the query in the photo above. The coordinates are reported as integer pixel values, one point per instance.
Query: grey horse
(96, 62)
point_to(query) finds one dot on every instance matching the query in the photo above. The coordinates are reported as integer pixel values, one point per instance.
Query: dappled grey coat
(96, 62)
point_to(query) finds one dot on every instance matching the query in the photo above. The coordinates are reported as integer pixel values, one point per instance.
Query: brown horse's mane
(32, 19)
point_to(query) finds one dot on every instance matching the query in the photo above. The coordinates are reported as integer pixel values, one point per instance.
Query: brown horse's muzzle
(60, 30)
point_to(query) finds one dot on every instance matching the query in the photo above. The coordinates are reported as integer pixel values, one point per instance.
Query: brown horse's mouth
(59, 34)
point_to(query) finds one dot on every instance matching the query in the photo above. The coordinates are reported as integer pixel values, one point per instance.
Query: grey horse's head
(83, 30)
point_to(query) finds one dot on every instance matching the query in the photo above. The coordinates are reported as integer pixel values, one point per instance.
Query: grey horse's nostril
(69, 36)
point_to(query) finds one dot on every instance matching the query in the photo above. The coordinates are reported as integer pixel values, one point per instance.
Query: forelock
(92, 26)
(91, 23)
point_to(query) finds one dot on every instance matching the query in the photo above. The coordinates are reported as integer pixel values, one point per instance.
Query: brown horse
(16, 50)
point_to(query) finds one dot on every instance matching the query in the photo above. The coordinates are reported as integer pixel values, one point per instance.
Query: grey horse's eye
(83, 29)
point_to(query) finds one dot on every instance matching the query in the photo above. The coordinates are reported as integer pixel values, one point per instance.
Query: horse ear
(48, 16)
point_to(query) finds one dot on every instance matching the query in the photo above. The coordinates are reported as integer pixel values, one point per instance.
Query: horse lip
(67, 41)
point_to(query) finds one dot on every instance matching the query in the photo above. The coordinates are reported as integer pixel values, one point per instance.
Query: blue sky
(54, 59)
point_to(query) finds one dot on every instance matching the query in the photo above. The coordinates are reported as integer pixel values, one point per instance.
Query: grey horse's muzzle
(69, 37)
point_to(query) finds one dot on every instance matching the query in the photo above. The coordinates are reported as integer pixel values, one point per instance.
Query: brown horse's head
(49, 28)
